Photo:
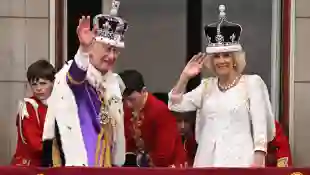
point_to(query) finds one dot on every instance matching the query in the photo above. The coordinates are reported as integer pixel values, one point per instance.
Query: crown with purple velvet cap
(111, 28)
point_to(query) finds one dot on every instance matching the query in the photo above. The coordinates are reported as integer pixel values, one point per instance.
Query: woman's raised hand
(194, 66)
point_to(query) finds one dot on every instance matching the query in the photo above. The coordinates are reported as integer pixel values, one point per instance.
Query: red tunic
(190, 147)
(159, 133)
(279, 150)
(29, 130)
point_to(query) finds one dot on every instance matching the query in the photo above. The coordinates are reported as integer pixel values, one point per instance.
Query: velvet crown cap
(111, 28)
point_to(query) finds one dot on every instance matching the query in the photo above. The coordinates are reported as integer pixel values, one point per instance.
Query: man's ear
(144, 90)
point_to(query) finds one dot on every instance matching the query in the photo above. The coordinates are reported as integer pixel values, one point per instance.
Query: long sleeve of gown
(260, 111)
(78, 69)
(190, 101)
(116, 111)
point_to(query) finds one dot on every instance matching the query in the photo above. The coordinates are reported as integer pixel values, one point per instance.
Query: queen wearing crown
(84, 124)
(234, 120)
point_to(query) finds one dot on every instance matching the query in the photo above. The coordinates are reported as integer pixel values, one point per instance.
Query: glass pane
(155, 41)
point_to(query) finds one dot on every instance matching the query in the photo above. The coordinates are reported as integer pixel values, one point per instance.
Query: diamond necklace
(232, 84)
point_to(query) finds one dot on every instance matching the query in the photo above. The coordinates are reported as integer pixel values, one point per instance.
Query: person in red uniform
(150, 128)
(31, 115)
(186, 126)
(279, 153)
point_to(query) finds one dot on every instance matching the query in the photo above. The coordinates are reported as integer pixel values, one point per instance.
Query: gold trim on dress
(72, 81)
(103, 148)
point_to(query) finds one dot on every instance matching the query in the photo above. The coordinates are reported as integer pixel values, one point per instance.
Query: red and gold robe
(30, 123)
(159, 133)
(279, 153)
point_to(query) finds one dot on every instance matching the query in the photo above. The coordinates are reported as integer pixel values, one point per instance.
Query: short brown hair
(133, 81)
(41, 69)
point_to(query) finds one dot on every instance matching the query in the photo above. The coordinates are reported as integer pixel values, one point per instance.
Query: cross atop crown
(111, 28)
(114, 8)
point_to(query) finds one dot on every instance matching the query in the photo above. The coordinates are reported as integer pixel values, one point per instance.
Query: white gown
(230, 125)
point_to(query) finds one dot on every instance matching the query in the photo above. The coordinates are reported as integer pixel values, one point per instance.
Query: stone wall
(24, 38)
(301, 118)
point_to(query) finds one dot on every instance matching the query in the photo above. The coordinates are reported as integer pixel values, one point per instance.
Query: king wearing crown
(84, 124)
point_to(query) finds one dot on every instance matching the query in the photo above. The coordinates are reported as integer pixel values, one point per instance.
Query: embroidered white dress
(230, 125)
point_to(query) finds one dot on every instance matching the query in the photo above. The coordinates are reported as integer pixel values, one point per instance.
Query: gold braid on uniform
(282, 162)
(137, 121)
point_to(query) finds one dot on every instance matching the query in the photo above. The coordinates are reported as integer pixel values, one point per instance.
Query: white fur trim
(220, 49)
(49, 125)
(63, 108)
(35, 106)
(121, 83)
(115, 43)
(82, 60)
(111, 83)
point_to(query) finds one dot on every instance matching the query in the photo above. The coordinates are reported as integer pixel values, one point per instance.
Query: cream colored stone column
(301, 99)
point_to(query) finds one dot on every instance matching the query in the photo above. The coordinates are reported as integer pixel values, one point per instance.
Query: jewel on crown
(106, 25)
